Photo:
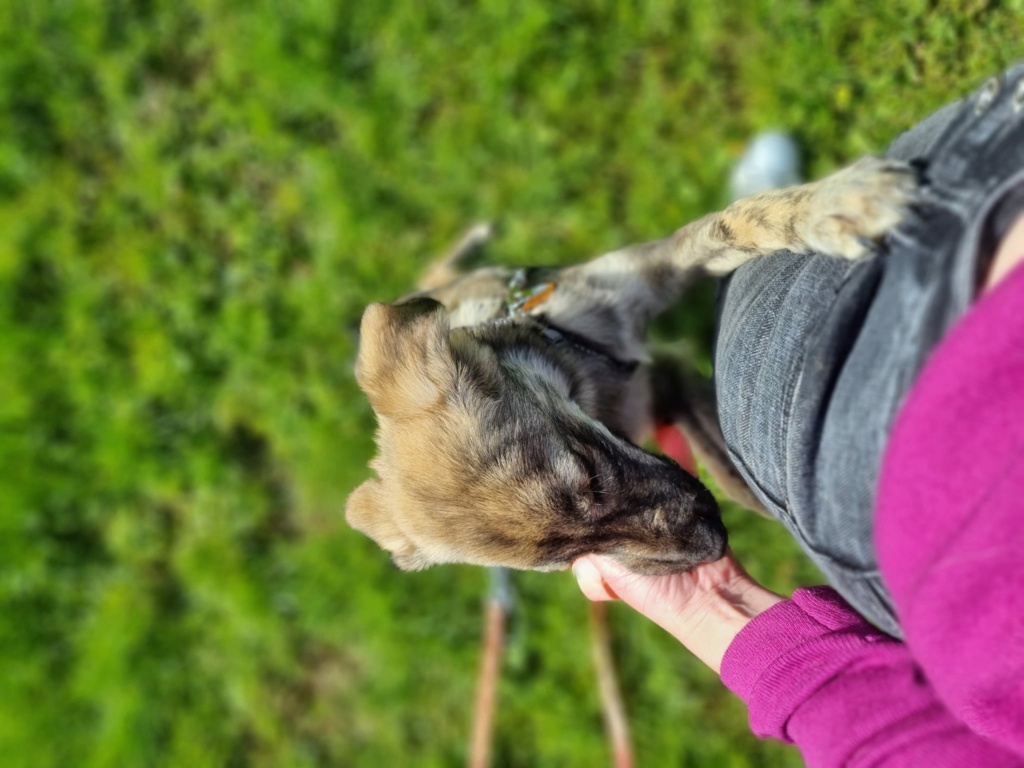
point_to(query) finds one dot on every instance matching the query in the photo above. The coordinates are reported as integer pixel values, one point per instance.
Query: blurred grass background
(198, 198)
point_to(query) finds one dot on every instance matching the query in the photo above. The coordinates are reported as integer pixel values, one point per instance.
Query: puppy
(510, 402)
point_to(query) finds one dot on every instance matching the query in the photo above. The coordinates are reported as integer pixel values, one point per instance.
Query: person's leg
(815, 355)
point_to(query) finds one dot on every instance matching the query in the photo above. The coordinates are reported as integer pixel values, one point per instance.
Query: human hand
(704, 608)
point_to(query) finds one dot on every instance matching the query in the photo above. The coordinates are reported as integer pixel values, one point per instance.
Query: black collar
(581, 343)
(524, 297)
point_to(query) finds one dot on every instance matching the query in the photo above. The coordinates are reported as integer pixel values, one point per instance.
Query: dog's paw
(852, 209)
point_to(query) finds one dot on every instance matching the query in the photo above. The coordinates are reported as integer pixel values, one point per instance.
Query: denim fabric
(815, 355)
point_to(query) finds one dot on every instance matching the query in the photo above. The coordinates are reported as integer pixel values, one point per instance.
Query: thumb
(591, 581)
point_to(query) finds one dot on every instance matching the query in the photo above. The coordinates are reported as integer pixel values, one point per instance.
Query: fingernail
(590, 580)
(585, 572)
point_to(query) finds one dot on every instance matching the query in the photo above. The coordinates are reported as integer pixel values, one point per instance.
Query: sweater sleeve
(949, 529)
(813, 673)
(949, 539)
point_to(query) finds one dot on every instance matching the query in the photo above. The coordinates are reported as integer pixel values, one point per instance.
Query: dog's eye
(573, 502)
(592, 486)
(597, 485)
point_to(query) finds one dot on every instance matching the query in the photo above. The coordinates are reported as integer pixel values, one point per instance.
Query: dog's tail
(455, 262)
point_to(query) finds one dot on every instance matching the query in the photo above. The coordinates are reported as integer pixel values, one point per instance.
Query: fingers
(659, 598)
(704, 608)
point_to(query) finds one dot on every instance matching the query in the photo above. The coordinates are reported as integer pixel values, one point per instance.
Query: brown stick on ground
(616, 722)
(490, 665)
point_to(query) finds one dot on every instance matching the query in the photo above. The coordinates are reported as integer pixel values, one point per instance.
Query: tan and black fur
(510, 438)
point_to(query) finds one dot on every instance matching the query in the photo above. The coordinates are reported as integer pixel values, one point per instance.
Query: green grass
(197, 199)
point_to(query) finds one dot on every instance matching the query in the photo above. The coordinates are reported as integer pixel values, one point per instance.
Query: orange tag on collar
(538, 298)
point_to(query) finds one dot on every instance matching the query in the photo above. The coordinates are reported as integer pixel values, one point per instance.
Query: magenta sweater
(950, 539)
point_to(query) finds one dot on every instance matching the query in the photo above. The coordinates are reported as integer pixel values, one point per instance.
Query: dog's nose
(704, 504)
(699, 534)
(706, 538)
(705, 533)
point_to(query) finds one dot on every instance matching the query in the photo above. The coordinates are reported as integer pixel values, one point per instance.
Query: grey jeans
(815, 355)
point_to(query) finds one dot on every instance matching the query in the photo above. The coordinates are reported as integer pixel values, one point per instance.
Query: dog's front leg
(839, 215)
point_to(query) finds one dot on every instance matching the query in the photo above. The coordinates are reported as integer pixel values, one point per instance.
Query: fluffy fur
(509, 437)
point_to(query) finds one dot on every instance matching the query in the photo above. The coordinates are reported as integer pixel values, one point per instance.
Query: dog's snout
(702, 534)
(707, 538)
(703, 503)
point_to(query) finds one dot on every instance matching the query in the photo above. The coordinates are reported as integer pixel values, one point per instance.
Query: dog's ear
(367, 511)
(405, 358)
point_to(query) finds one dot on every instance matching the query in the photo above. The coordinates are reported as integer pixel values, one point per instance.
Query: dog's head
(486, 456)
